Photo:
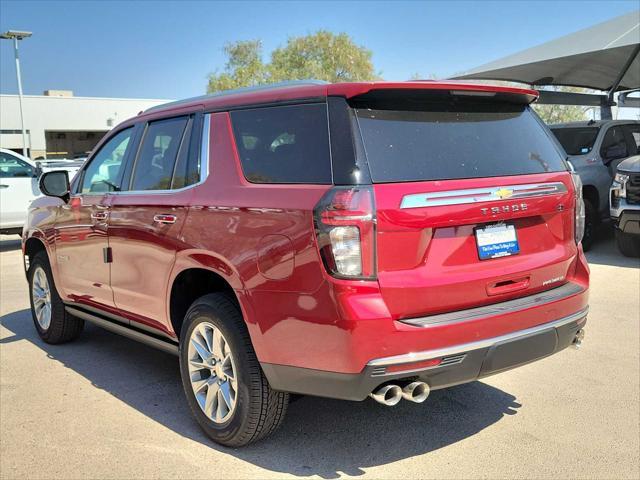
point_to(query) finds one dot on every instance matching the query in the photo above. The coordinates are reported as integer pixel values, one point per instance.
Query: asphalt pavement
(107, 407)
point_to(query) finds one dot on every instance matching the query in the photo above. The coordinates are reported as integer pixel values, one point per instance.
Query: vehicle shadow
(605, 252)
(319, 436)
(9, 243)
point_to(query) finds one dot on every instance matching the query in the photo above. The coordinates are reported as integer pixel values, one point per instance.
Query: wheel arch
(34, 245)
(197, 273)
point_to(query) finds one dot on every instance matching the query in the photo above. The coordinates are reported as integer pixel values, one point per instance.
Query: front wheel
(629, 245)
(52, 322)
(226, 390)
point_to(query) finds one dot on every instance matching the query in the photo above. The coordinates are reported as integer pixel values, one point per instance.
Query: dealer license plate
(498, 240)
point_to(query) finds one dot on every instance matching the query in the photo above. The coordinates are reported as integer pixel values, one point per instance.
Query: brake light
(345, 230)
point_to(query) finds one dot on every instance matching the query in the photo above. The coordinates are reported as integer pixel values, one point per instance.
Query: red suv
(340, 240)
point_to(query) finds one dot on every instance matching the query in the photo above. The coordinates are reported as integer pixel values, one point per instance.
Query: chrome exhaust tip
(416, 392)
(577, 340)
(388, 395)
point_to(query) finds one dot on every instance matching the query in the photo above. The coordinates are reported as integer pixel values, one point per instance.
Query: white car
(19, 186)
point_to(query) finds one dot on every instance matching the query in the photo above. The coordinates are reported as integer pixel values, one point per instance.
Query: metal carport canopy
(602, 57)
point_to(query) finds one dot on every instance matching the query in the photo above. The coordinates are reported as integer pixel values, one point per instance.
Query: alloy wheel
(212, 372)
(41, 295)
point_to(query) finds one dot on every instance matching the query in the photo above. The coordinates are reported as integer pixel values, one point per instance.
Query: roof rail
(257, 88)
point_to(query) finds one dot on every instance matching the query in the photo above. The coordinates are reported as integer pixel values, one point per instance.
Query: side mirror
(37, 171)
(55, 184)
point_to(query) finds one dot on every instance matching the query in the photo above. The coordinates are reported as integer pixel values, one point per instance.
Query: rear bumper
(458, 364)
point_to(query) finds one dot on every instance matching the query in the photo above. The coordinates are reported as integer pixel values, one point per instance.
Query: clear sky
(165, 49)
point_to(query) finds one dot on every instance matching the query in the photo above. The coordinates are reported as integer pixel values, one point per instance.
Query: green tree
(322, 56)
(551, 114)
(244, 67)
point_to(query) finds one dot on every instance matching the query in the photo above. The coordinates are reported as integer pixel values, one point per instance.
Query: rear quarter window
(287, 144)
(454, 140)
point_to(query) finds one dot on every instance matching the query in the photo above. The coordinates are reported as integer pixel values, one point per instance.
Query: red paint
(260, 239)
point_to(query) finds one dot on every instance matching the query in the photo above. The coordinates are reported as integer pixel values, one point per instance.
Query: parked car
(340, 240)
(625, 206)
(595, 148)
(19, 186)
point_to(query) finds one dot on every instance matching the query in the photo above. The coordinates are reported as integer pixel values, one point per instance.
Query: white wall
(64, 114)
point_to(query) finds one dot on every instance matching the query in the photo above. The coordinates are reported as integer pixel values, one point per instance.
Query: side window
(288, 144)
(614, 144)
(187, 171)
(103, 173)
(157, 158)
(11, 167)
(634, 132)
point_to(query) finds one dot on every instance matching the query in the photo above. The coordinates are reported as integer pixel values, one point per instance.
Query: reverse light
(345, 229)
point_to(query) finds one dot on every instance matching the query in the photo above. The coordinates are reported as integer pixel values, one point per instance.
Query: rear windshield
(576, 140)
(455, 140)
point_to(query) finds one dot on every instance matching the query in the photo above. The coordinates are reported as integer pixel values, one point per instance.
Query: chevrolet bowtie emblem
(503, 193)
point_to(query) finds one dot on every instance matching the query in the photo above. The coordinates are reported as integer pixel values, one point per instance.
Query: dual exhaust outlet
(418, 392)
(391, 395)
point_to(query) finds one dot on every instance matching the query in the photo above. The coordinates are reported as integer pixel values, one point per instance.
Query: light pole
(16, 35)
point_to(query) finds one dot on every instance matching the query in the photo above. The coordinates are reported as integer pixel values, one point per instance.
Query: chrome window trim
(204, 166)
(476, 195)
(468, 347)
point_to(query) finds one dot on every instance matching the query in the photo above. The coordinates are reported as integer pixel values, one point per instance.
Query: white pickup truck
(19, 186)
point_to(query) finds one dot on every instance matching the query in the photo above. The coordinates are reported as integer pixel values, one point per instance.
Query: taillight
(345, 229)
(579, 212)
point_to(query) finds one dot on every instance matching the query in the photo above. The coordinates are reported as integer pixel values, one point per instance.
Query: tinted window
(456, 140)
(614, 144)
(153, 169)
(284, 144)
(576, 140)
(11, 166)
(634, 131)
(103, 173)
(187, 171)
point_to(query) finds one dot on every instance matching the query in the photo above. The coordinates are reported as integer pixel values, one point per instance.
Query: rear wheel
(226, 390)
(52, 322)
(590, 225)
(629, 245)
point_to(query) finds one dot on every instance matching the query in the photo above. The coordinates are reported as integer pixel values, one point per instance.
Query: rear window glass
(288, 144)
(576, 140)
(456, 140)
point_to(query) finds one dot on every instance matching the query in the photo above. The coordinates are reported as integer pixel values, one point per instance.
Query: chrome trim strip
(548, 296)
(467, 347)
(204, 167)
(126, 331)
(476, 195)
(204, 152)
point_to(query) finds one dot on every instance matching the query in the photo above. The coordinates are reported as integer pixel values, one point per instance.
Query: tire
(258, 410)
(629, 245)
(56, 325)
(590, 225)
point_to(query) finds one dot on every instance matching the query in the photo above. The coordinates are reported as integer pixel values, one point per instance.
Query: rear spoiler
(420, 88)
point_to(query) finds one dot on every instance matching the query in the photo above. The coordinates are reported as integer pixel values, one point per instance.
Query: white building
(60, 125)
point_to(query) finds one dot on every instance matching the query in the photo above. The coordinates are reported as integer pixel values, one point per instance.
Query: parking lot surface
(107, 407)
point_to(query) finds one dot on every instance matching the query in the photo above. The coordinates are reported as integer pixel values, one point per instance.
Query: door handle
(165, 218)
(4, 186)
(99, 215)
